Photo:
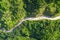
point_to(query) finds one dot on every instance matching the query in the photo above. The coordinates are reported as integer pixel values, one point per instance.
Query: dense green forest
(13, 11)
(34, 30)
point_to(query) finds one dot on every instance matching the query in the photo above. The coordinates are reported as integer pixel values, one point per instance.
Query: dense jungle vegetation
(34, 30)
(13, 11)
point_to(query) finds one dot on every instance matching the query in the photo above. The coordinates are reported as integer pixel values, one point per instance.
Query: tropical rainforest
(34, 30)
(14, 11)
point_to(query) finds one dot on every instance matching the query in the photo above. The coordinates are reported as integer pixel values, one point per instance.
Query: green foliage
(34, 30)
(11, 12)
(41, 30)
(31, 6)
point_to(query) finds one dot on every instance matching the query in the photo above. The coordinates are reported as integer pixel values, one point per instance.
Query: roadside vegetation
(41, 30)
(13, 11)
(34, 30)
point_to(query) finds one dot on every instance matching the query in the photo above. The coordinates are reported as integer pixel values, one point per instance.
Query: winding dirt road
(38, 18)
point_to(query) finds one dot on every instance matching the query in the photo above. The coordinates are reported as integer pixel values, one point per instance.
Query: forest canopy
(34, 30)
(14, 11)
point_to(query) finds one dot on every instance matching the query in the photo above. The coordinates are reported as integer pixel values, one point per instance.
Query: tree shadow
(3, 25)
(31, 6)
(14, 11)
(47, 12)
(1, 14)
(36, 30)
(48, 1)
(0, 0)
(13, 8)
